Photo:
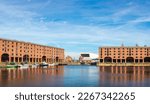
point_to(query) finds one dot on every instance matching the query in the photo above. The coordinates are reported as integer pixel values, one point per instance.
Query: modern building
(87, 57)
(20, 51)
(123, 54)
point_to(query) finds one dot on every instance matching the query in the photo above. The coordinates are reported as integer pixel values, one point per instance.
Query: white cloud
(22, 24)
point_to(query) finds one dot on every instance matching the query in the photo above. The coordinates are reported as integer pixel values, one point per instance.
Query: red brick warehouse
(124, 54)
(20, 51)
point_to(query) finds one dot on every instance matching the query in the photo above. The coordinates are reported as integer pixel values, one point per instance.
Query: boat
(35, 65)
(23, 66)
(53, 64)
(44, 64)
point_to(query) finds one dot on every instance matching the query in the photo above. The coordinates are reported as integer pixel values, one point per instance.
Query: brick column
(14, 59)
(9, 58)
(29, 60)
(21, 59)
(0, 59)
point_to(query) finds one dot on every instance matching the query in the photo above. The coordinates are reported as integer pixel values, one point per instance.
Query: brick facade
(19, 51)
(124, 54)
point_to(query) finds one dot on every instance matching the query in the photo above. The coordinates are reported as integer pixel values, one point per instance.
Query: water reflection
(30, 76)
(124, 76)
(75, 76)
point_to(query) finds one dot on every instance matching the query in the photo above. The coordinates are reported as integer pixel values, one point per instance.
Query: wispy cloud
(75, 25)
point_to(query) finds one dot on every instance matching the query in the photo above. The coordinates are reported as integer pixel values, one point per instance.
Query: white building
(87, 57)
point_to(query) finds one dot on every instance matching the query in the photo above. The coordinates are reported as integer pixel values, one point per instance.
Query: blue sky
(76, 25)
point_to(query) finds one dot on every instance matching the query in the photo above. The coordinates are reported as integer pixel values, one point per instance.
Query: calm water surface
(76, 76)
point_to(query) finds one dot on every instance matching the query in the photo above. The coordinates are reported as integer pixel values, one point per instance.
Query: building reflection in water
(124, 76)
(15, 77)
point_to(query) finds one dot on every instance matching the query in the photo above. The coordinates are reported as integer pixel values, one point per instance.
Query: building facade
(88, 58)
(124, 54)
(19, 51)
(69, 59)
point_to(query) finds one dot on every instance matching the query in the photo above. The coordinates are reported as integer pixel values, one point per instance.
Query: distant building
(69, 59)
(87, 57)
(123, 54)
(20, 51)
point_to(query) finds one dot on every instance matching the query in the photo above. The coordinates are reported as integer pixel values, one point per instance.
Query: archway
(107, 59)
(5, 57)
(147, 59)
(129, 59)
(44, 59)
(26, 58)
(57, 59)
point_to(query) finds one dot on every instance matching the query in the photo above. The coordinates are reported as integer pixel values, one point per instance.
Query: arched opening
(5, 57)
(26, 58)
(118, 60)
(44, 59)
(114, 60)
(123, 60)
(20, 59)
(129, 59)
(101, 60)
(147, 59)
(107, 59)
(136, 60)
(57, 59)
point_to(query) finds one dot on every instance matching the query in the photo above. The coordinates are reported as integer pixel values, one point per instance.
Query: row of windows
(24, 50)
(126, 51)
(21, 51)
(30, 48)
(26, 47)
(124, 57)
(125, 54)
(31, 55)
(125, 48)
(20, 43)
